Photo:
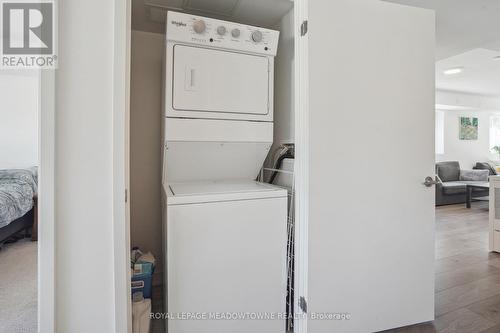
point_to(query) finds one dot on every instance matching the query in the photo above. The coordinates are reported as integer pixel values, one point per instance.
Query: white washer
(226, 249)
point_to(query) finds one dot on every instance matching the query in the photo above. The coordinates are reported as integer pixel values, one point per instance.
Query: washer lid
(214, 191)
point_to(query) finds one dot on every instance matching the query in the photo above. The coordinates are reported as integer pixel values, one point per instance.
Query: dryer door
(220, 82)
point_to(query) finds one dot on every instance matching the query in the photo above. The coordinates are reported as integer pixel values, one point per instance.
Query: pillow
(486, 166)
(474, 175)
(448, 171)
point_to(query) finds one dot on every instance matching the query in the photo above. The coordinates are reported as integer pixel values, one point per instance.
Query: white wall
(84, 256)
(284, 118)
(467, 152)
(145, 144)
(460, 101)
(284, 85)
(18, 119)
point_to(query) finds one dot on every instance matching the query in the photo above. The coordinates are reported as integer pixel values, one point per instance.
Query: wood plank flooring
(467, 291)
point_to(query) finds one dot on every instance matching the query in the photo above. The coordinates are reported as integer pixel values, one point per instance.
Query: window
(440, 132)
(494, 134)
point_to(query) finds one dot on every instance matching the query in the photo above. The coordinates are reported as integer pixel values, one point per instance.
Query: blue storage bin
(143, 282)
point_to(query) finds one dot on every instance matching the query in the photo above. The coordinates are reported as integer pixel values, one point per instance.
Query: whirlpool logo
(29, 34)
(179, 23)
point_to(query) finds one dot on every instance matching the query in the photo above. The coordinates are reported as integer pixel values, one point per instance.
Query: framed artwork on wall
(468, 128)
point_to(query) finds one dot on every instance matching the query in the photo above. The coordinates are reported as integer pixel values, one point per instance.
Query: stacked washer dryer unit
(224, 233)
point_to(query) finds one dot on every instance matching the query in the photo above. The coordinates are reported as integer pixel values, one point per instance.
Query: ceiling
(149, 15)
(481, 73)
(467, 35)
(462, 25)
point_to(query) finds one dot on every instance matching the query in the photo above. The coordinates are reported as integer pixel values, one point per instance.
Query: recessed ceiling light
(453, 71)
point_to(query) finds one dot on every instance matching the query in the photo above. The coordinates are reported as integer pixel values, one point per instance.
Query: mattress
(17, 188)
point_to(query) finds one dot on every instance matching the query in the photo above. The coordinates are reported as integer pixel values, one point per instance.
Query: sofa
(453, 181)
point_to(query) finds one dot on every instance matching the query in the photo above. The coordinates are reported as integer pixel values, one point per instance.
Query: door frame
(46, 175)
(301, 168)
(46, 201)
(121, 136)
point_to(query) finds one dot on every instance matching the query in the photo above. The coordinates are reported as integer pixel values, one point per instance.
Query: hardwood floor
(467, 291)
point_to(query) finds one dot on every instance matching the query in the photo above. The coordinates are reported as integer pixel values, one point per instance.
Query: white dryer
(218, 69)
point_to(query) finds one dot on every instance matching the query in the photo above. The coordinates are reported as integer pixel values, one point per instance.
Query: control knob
(221, 30)
(257, 36)
(235, 33)
(199, 26)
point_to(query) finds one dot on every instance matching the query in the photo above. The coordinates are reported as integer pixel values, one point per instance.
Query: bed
(18, 190)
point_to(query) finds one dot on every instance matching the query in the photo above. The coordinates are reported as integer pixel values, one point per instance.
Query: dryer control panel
(220, 34)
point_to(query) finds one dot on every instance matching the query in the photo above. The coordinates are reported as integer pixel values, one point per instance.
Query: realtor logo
(28, 32)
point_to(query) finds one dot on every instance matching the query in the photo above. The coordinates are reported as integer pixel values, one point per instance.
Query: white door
(371, 144)
(210, 80)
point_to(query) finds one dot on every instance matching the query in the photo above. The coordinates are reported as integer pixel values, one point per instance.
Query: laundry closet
(266, 138)
(212, 160)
